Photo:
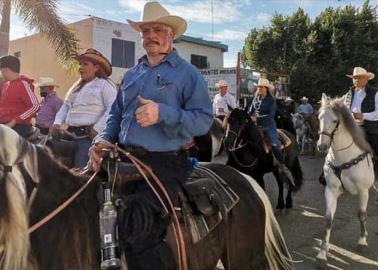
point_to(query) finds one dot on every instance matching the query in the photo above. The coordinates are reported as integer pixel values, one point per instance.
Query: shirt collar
(172, 58)
(360, 90)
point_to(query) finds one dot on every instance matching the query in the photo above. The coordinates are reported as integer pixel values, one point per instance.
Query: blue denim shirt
(185, 109)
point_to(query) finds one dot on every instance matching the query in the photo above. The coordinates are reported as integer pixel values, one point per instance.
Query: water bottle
(109, 232)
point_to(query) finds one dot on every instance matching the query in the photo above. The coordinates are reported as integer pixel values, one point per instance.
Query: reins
(61, 207)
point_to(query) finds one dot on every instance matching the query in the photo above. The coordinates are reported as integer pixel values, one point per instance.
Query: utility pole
(212, 20)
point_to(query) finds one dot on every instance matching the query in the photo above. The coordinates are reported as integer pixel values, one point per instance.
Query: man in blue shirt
(162, 103)
(305, 108)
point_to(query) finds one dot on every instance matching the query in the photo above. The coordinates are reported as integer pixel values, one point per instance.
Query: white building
(117, 41)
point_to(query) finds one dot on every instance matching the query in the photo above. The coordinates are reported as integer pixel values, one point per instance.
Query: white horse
(302, 131)
(348, 165)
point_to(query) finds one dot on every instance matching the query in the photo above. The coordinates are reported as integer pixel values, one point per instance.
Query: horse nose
(322, 147)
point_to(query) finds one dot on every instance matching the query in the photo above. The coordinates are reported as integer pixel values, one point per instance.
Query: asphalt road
(303, 227)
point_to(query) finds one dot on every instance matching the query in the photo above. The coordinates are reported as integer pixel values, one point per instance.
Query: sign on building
(214, 75)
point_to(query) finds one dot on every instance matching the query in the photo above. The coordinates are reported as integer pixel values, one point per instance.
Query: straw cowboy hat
(265, 83)
(93, 54)
(304, 98)
(153, 12)
(288, 99)
(359, 71)
(45, 81)
(221, 83)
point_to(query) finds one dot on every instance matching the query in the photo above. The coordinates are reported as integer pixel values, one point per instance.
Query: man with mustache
(162, 103)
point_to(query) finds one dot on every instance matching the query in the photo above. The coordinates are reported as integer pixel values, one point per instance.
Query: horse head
(17, 159)
(328, 124)
(298, 120)
(235, 125)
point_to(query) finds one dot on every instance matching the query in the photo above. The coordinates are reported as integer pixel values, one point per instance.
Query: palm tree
(42, 15)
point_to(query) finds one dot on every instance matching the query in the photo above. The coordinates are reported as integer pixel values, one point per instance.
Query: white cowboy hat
(153, 12)
(359, 71)
(221, 83)
(288, 99)
(265, 83)
(304, 98)
(45, 81)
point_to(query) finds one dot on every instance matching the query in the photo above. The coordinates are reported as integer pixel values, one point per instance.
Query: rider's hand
(11, 123)
(92, 133)
(358, 116)
(148, 113)
(95, 155)
(54, 129)
(254, 118)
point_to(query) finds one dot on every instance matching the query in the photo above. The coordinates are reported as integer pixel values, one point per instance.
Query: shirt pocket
(167, 92)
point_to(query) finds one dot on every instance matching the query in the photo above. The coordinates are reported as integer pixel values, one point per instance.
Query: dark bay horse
(246, 153)
(71, 239)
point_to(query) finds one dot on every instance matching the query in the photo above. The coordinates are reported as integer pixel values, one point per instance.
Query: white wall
(214, 55)
(103, 33)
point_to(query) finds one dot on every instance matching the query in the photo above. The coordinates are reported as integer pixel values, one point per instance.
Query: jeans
(81, 152)
(150, 251)
(23, 130)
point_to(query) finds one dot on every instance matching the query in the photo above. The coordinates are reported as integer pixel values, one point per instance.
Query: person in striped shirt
(18, 103)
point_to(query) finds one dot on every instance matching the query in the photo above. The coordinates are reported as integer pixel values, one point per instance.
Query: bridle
(332, 134)
(237, 146)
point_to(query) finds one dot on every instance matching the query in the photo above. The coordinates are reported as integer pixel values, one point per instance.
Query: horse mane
(72, 232)
(343, 113)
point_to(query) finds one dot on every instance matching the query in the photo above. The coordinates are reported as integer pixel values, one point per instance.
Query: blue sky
(232, 19)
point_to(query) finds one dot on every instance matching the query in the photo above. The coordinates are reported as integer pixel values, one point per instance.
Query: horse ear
(325, 99)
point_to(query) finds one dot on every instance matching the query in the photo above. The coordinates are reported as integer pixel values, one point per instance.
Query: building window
(17, 54)
(123, 53)
(199, 61)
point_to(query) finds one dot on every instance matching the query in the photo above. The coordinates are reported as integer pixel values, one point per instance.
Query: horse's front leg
(331, 196)
(280, 202)
(289, 199)
(364, 198)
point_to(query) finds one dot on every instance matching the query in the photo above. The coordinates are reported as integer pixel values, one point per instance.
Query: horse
(283, 116)
(302, 132)
(71, 239)
(348, 165)
(246, 152)
(210, 145)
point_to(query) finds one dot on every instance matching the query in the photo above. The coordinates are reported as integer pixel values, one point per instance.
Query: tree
(42, 15)
(317, 54)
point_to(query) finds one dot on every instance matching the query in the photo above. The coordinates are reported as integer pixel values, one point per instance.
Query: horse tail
(276, 251)
(14, 239)
(297, 173)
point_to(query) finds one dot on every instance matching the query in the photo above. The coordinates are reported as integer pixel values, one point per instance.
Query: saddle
(205, 199)
(205, 202)
(284, 139)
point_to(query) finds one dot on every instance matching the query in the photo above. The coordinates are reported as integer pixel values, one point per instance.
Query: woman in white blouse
(87, 103)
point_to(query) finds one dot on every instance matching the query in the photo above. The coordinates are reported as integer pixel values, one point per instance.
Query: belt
(80, 130)
(140, 151)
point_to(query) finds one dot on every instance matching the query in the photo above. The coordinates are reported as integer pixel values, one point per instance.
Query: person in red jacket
(18, 103)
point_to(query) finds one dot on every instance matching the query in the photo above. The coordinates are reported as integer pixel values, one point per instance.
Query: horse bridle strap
(332, 134)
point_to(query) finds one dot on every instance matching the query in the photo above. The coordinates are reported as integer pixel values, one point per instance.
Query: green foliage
(316, 54)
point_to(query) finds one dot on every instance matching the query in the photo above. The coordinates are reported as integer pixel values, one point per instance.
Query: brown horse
(71, 239)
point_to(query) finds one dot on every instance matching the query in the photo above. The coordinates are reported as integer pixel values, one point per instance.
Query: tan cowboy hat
(304, 98)
(153, 12)
(221, 83)
(98, 57)
(45, 81)
(359, 71)
(265, 83)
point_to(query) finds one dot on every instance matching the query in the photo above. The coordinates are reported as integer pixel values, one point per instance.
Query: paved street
(303, 227)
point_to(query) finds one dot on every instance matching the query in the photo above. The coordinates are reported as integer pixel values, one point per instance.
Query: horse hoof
(288, 211)
(321, 263)
(279, 211)
(361, 248)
